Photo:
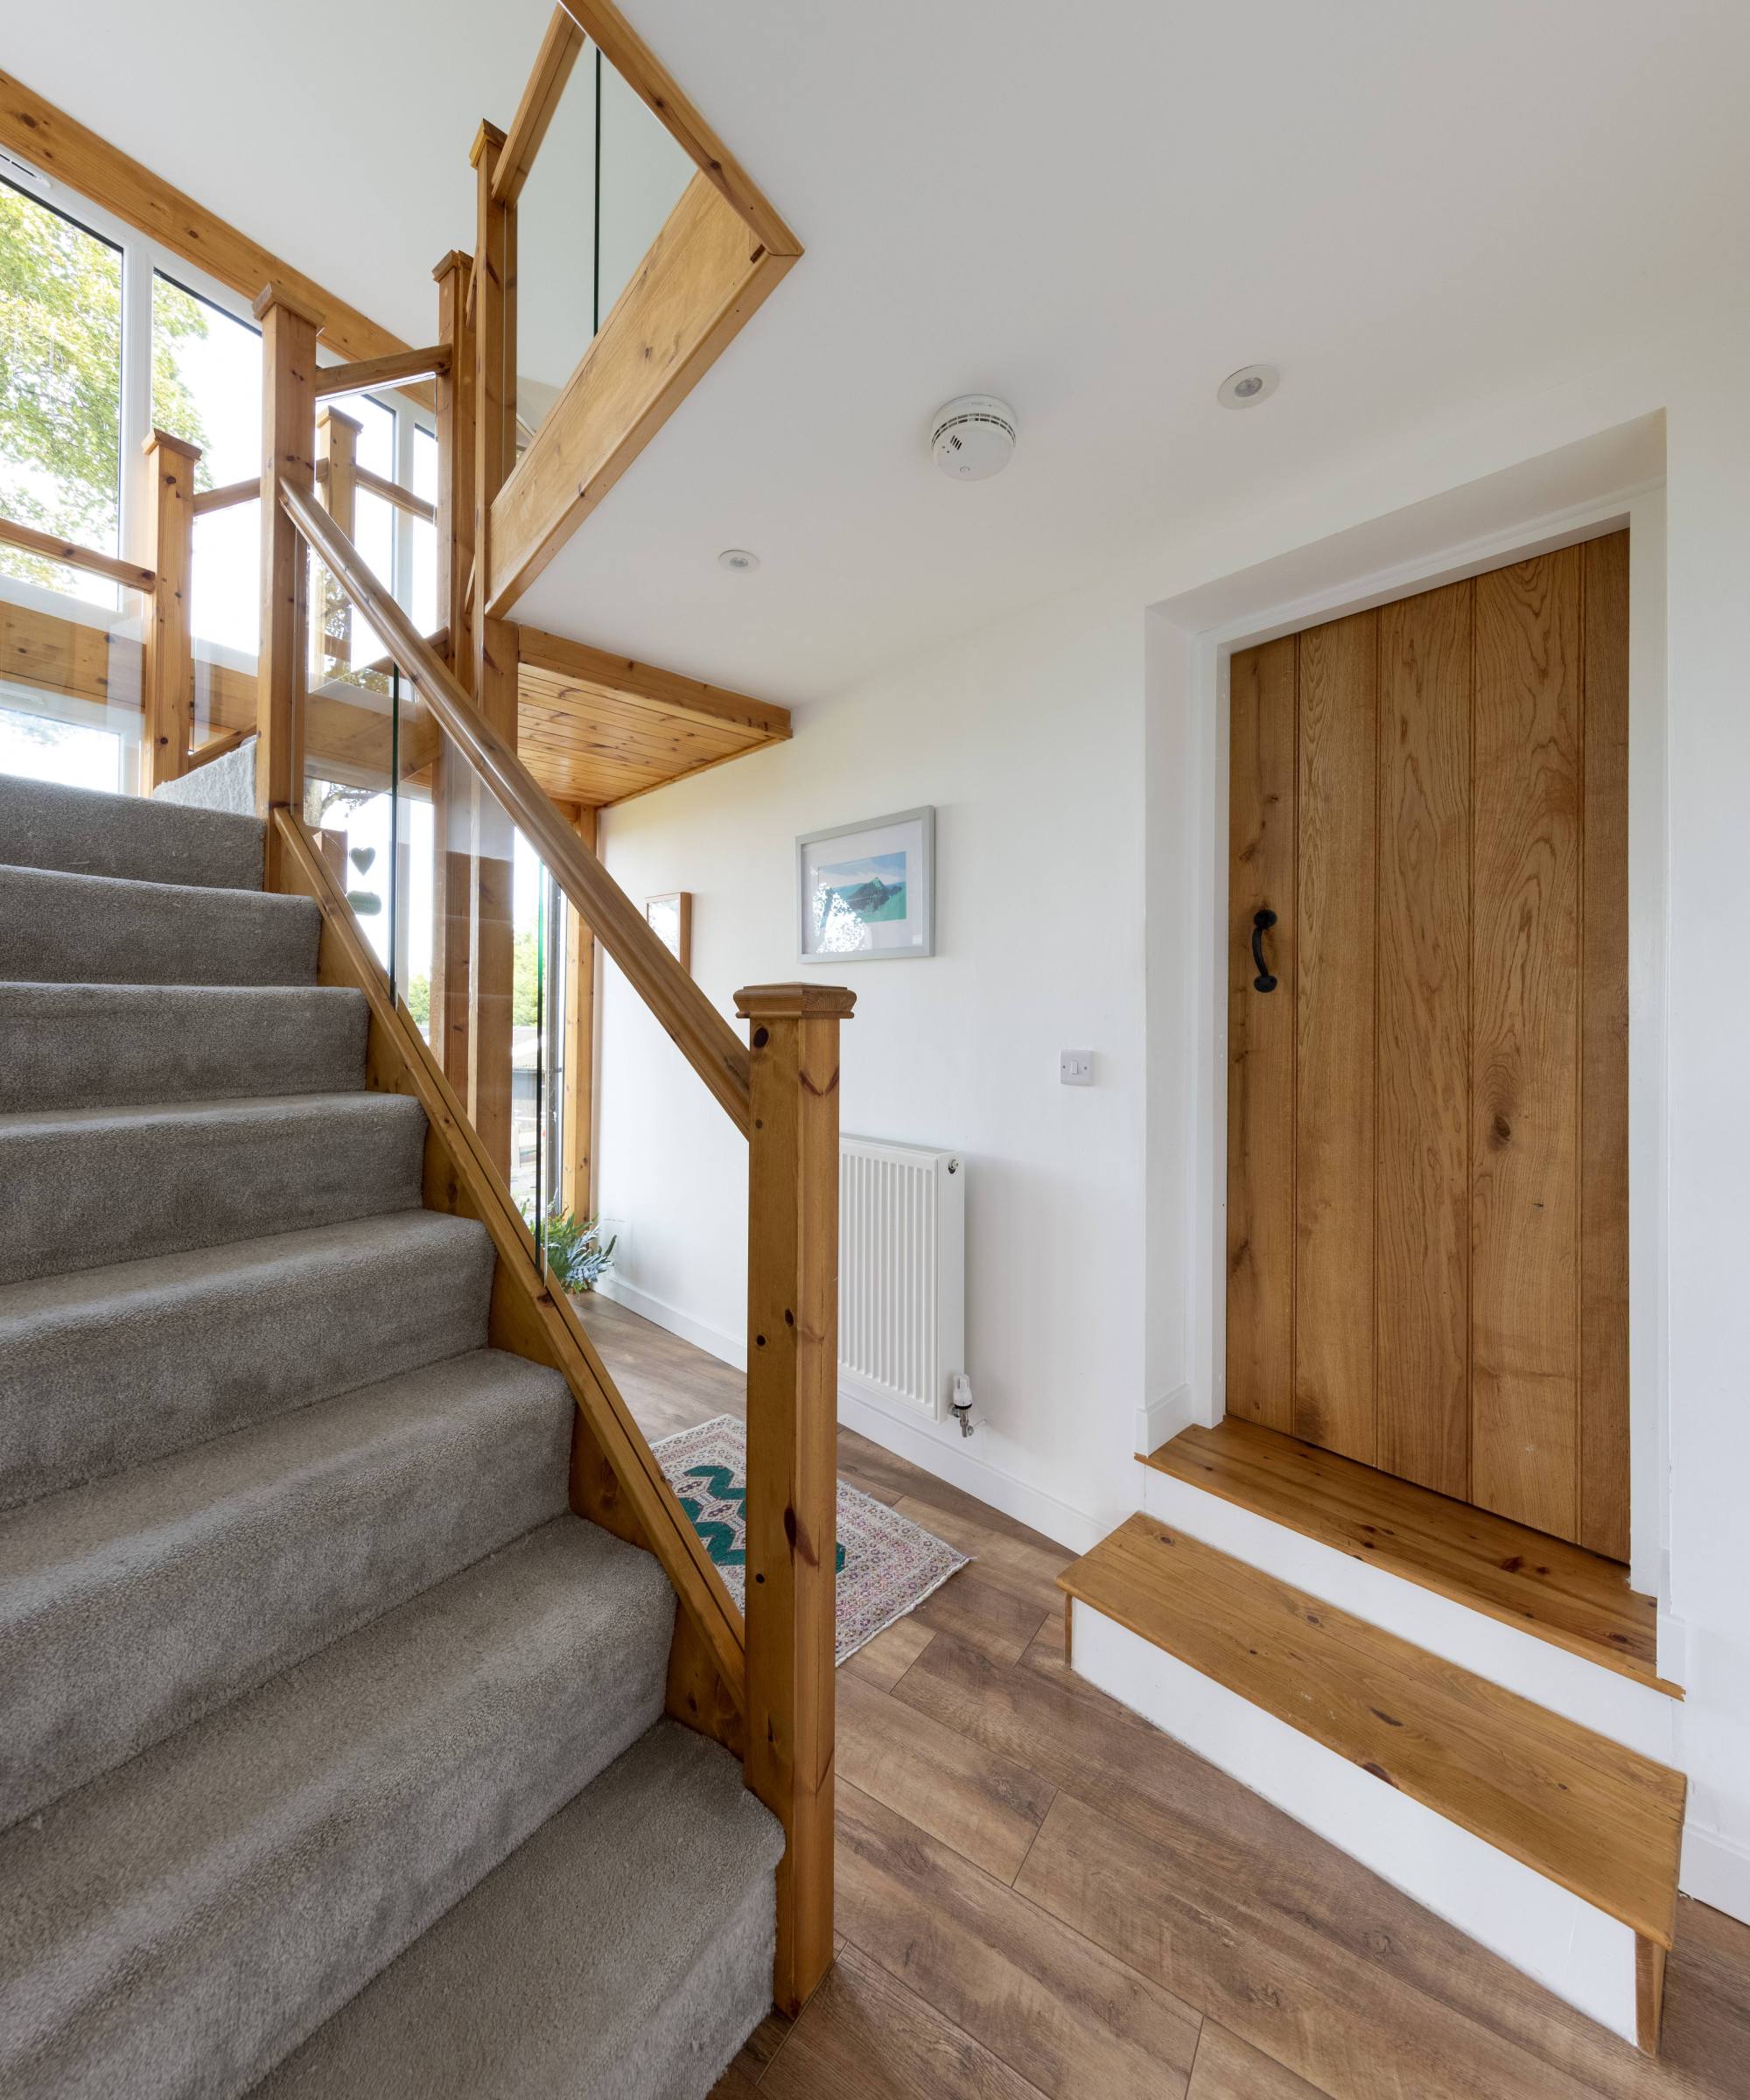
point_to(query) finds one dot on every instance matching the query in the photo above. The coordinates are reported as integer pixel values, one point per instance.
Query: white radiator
(901, 1275)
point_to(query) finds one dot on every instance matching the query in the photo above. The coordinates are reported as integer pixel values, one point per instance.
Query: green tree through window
(60, 379)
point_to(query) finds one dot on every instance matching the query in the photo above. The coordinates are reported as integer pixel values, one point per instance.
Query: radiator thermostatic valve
(963, 1403)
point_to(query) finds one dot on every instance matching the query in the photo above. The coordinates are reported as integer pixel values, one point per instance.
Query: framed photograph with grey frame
(866, 892)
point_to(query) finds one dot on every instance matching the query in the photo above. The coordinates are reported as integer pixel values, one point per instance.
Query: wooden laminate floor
(1040, 1895)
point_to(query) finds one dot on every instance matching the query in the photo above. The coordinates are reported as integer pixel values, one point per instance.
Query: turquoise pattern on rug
(724, 1540)
(886, 1564)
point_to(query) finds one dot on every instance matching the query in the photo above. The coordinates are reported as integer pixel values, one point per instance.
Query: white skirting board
(1568, 1945)
(1603, 1700)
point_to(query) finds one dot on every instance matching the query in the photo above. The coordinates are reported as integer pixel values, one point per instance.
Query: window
(60, 389)
(105, 335)
(207, 388)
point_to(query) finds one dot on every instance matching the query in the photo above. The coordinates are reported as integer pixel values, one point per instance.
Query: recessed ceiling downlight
(972, 437)
(1247, 387)
(737, 558)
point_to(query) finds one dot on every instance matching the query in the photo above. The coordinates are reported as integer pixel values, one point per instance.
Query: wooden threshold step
(1544, 1586)
(1553, 1845)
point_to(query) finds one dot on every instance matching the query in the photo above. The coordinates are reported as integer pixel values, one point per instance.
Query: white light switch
(1075, 1067)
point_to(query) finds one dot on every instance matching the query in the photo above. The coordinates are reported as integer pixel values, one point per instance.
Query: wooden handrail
(559, 50)
(705, 1038)
(371, 372)
(392, 492)
(221, 499)
(76, 556)
(218, 747)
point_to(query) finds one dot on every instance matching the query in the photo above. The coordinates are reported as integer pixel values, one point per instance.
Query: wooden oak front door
(1427, 1047)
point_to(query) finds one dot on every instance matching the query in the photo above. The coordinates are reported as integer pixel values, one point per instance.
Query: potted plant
(575, 1256)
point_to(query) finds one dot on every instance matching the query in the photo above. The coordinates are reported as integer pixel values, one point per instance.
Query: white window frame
(143, 258)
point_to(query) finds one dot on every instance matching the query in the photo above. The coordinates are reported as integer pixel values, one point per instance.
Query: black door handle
(1262, 921)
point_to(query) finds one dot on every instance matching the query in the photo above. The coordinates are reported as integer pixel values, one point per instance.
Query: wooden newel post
(167, 673)
(288, 449)
(793, 1451)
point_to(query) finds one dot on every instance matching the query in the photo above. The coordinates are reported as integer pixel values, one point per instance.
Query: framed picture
(866, 892)
(671, 916)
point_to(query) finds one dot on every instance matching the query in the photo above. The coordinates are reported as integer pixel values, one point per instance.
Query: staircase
(334, 1751)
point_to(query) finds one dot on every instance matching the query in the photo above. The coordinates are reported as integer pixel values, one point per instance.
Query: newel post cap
(794, 1002)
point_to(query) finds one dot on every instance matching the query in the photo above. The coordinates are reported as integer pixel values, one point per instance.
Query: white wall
(1094, 1289)
(1028, 741)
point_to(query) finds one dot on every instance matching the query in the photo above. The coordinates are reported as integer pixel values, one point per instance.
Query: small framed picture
(866, 892)
(671, 916)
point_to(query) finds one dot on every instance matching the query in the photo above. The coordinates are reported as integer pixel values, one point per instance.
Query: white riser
(1568, 1945)
(1600, 1699)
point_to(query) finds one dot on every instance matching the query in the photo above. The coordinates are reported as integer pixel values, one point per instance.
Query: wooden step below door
(1427, 1171)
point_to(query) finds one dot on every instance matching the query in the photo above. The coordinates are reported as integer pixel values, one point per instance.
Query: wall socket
(1075, 1067)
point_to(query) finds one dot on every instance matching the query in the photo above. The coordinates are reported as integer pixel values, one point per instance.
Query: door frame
(1188, 654)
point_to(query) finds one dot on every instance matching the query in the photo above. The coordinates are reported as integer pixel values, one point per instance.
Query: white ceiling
(1417, 208)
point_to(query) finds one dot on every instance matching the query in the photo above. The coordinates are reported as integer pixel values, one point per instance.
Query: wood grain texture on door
(1604, 1055)
(1525, 867)
(1261, 1037)
(1428, 1165)
(1333, 1077)
(1422, 1020)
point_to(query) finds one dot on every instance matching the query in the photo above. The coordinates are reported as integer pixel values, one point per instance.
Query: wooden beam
(577, 1173)
(365, 374)
(450, 881)
(59, 144)
(793, 1451)
(703, 279)
(46, 544)
(493, 672)
(599, 672)
(287, 468)
(167, 670)
(207, 499)
(559, 52)
(639, 66)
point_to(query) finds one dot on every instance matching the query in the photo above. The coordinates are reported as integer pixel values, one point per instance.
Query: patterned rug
(887, 1565)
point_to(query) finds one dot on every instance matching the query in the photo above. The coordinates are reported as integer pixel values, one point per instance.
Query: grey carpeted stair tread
(130, 1607)
(623, 1953)
(86, 1187)
(177, 1926)
(97, 929)
(79, 1045)
(72, 829)
(109, 1367)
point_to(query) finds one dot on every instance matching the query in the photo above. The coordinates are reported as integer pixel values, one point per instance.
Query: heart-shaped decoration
(361, 857)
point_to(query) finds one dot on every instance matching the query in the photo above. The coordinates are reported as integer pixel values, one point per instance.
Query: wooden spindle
(792, 1451)
(167, 669)
(337, 489)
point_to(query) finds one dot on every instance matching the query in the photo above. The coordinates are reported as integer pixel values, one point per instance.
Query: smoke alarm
(973, 437)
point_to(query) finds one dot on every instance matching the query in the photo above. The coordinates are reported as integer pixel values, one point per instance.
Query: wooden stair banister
(707, 1041)
(793, 1451)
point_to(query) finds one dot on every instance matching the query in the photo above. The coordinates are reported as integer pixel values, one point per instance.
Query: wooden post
(455, 400)
(167, 670)
(451, 879)
(337, 489)
(288, 446)
(494, 679)
(792, 1451)
(577, 1179)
